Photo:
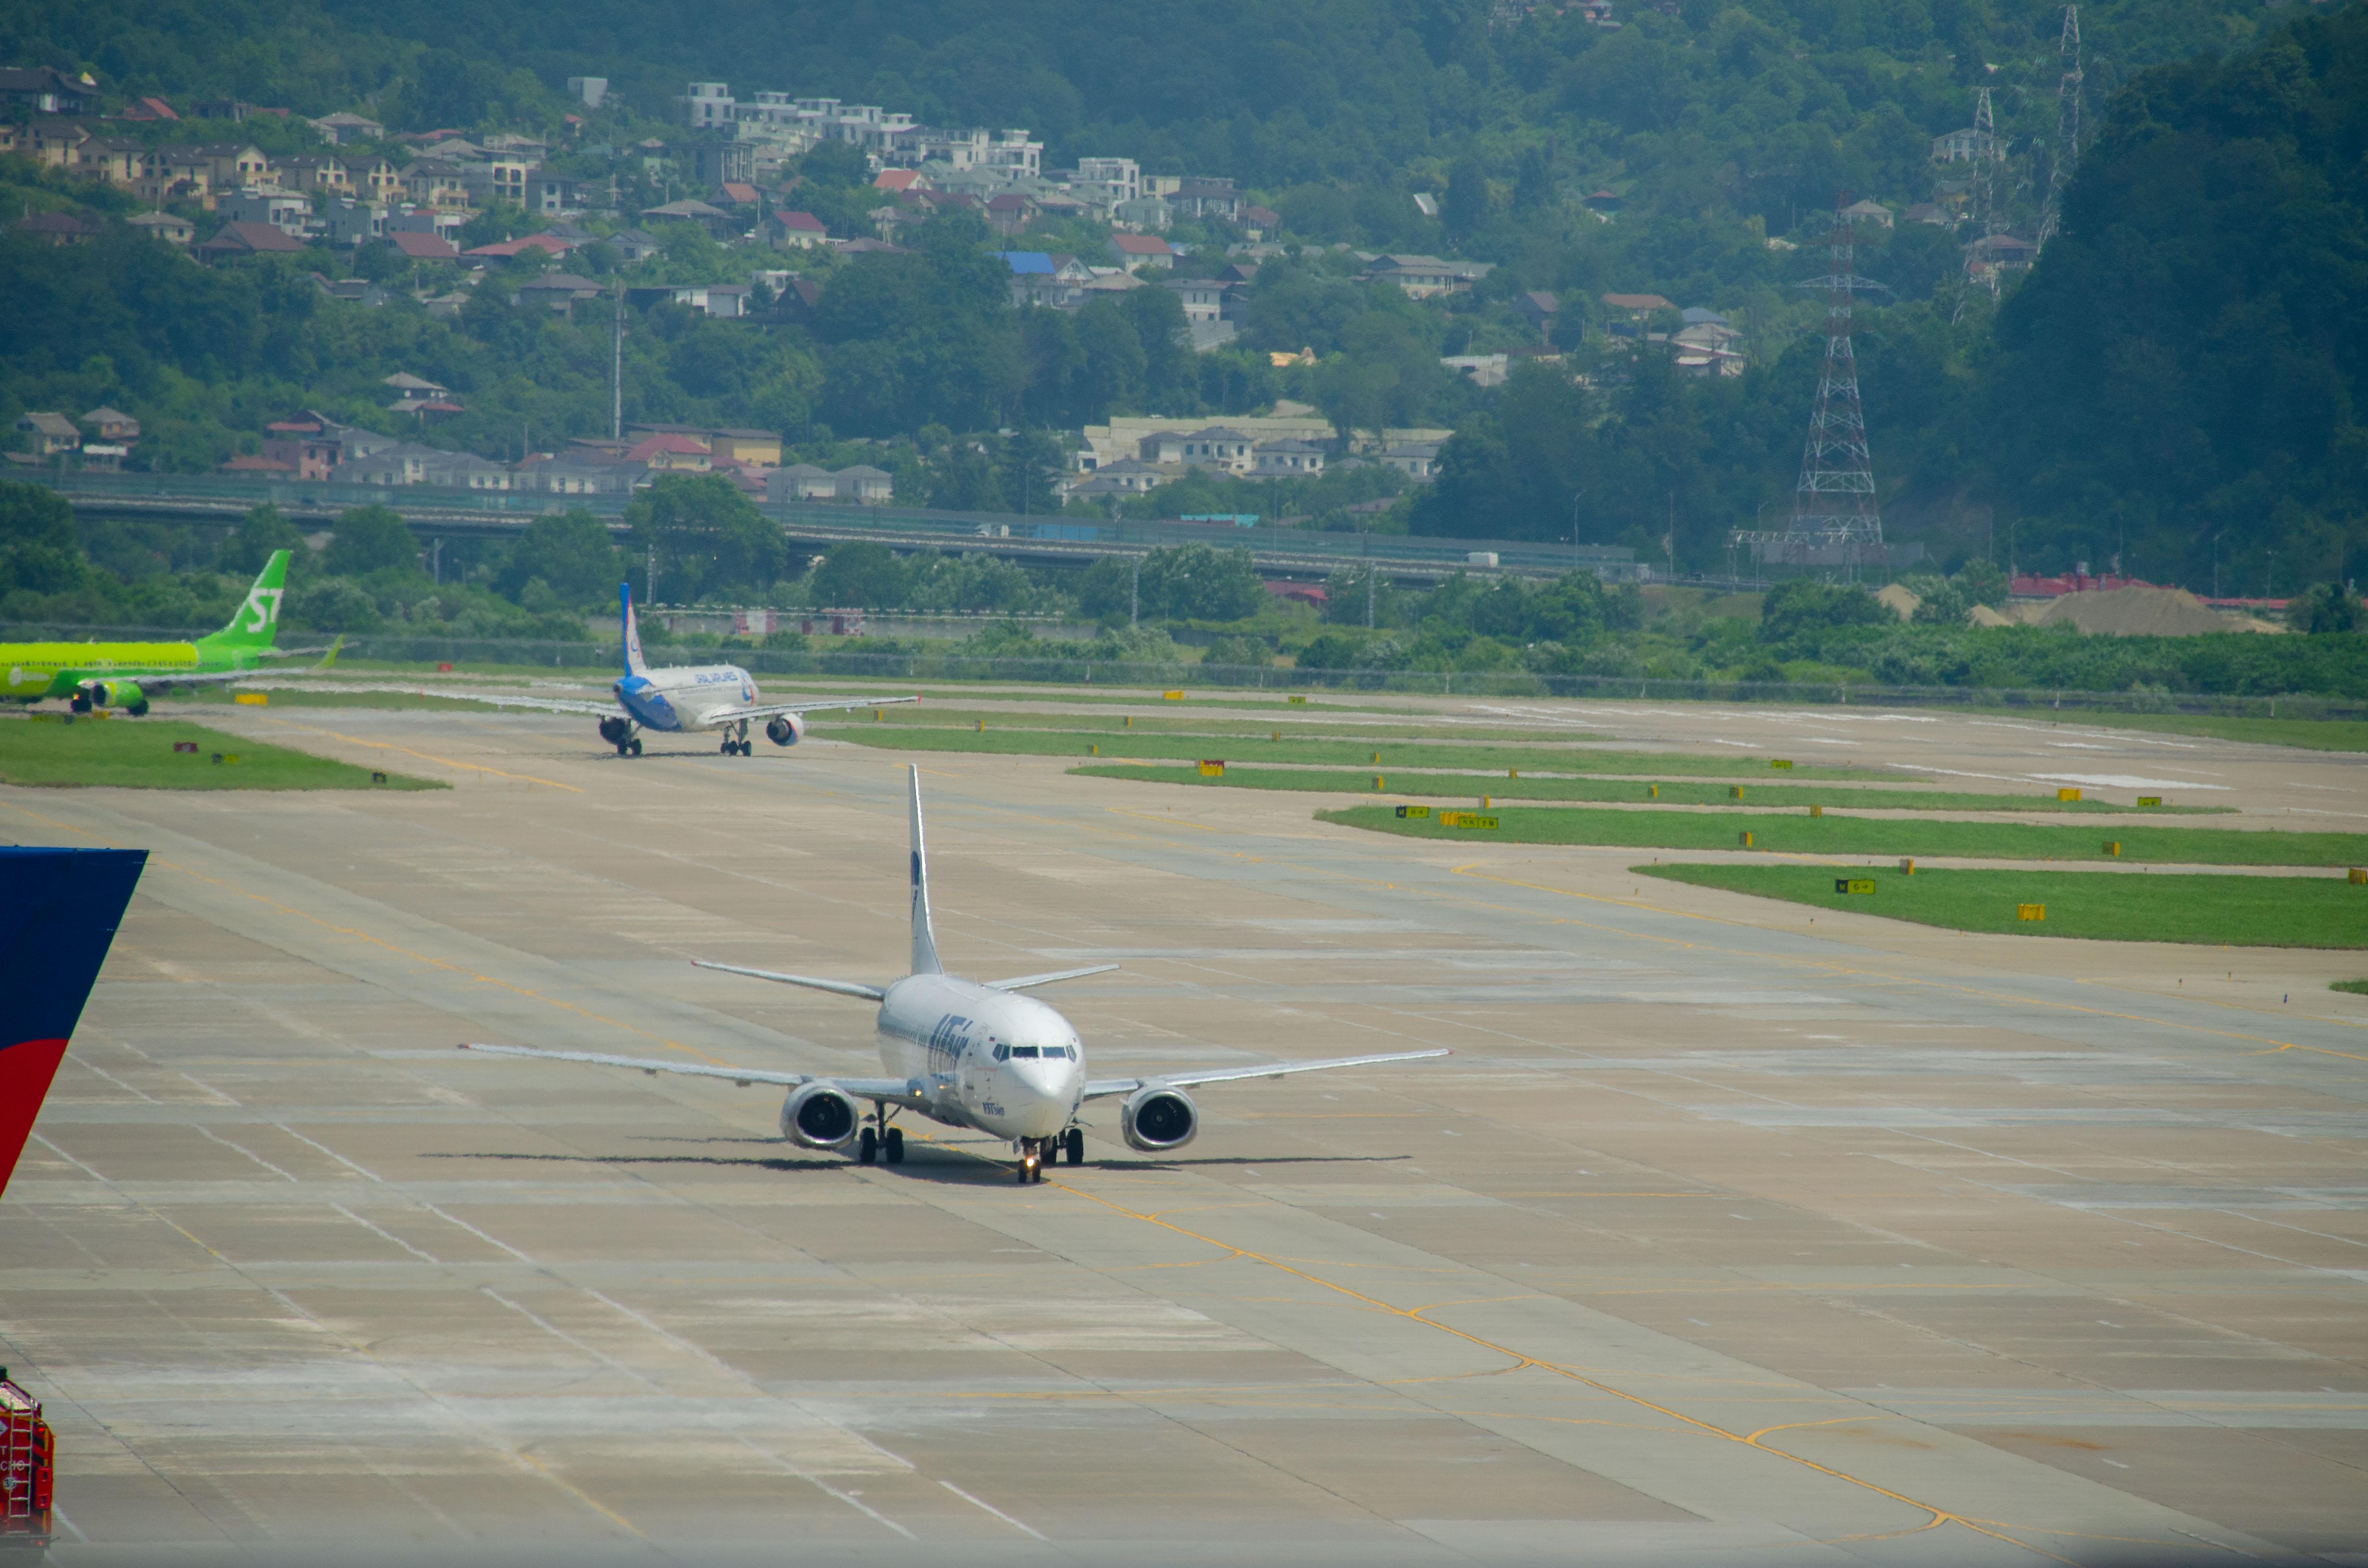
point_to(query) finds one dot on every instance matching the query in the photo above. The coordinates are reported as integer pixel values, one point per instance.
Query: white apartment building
(1106, 182)
(710, 106)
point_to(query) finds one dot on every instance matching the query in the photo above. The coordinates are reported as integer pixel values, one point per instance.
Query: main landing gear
(873, 1146)
(736, 740)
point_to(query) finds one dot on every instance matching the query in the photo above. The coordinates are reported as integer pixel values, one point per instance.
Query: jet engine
(1156, 1118)
(614, 731)
(123, 694)
(816, 1116)
(786, 730)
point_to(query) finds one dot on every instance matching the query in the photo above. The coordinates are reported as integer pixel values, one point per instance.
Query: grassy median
(1528, 787)
(2238, 912)
(139, 753)
(1887, 837)
(1019, 742)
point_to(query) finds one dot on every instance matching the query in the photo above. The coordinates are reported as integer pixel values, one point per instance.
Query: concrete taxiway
(1722, 1237)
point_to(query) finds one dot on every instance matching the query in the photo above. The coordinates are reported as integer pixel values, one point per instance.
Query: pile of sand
(1898, 600)
(2134, 612)
(1982, 615)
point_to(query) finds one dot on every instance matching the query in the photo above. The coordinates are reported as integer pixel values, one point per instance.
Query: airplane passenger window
(1023, 1050)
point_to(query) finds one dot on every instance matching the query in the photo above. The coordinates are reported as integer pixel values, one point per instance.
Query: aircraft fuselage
(1002, 1062)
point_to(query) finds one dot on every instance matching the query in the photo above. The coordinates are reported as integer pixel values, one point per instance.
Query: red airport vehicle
(28, 1463)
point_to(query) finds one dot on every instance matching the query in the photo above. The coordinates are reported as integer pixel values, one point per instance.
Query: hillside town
(409, 213)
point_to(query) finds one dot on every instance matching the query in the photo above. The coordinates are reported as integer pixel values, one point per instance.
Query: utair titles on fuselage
(969, 1053)
(684, 698)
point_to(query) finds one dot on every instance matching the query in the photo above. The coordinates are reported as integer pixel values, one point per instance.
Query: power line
(2066, 151)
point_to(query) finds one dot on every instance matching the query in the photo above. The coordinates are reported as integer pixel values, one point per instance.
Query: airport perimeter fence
(506, 653)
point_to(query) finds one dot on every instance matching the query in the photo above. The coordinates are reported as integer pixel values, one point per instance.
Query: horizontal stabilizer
(843, 987)
(1025, 981)
(1101, 1087)
(744, 1077)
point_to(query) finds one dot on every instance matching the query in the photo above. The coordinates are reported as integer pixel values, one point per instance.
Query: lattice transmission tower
(1835, 520)
(1834, 510)
(2067, 123)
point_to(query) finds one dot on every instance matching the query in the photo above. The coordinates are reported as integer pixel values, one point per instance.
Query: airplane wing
(542, 704)
(1101, 1088)
(1023, 982)
(815, 704)
(896, 1091)
(162, 680)
(843, 987)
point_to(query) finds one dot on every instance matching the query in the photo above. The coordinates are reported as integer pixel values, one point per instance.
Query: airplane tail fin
(257, 620)
(634, 663)
(59, 909)
(925, 940)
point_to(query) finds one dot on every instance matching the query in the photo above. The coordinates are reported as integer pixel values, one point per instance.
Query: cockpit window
(1023, 1050)
(1001, 1051)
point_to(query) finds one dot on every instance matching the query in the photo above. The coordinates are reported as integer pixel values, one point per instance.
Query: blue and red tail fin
(59, 909)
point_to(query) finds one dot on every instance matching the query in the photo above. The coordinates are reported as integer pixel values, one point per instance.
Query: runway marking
(1842, 969)
(484, 1433)
(435, 963)
(991, 1508)
(1993, 1529)
(428, 757)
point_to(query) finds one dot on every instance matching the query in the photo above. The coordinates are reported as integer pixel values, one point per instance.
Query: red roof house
(423, 247)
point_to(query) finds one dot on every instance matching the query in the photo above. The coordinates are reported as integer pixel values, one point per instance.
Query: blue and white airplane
(680, 699)
(968, 1053)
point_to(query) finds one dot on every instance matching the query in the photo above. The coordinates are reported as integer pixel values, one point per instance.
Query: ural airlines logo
(263, 604)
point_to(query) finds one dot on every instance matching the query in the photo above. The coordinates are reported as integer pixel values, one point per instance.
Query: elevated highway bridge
(435, 513)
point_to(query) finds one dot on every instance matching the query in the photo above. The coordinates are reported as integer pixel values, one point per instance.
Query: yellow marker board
(2150, 800)
(2030, 911)
(1816, 811)
(252, 699)
(1404, 811)
(1854, 884)
(1747, 840)
(1466, 819)
(1784, 762)
(1213, 769)
(2113, 847)
(1302, 702)
(1735, 791)
(1173, 696)
(2067, 794)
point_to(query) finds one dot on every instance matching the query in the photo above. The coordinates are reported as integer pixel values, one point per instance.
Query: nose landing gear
(1031, 1161)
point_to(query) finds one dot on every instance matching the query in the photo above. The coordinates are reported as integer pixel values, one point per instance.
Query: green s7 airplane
(121, 675)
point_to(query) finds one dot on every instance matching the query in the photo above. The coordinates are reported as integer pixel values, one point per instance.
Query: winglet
(331, 656)
(634, 663)
(925, 940)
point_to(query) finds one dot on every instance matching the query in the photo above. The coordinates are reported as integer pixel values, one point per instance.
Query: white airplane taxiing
(972, 1054)
(684, 697)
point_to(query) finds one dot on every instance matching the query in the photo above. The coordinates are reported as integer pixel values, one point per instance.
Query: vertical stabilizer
(59, 909)
(635, 664)
(925, 940)
(257, 620)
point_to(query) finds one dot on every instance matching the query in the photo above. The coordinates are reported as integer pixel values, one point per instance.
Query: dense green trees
(2189, 359)
(705, 537)
(367, 539)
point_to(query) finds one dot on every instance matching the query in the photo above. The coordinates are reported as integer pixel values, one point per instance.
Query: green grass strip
(1334, 753)
(1888, 838)
(2314, 735)
(1471, 787)
(2357, 987)
(2238, 912)
(138, 754)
